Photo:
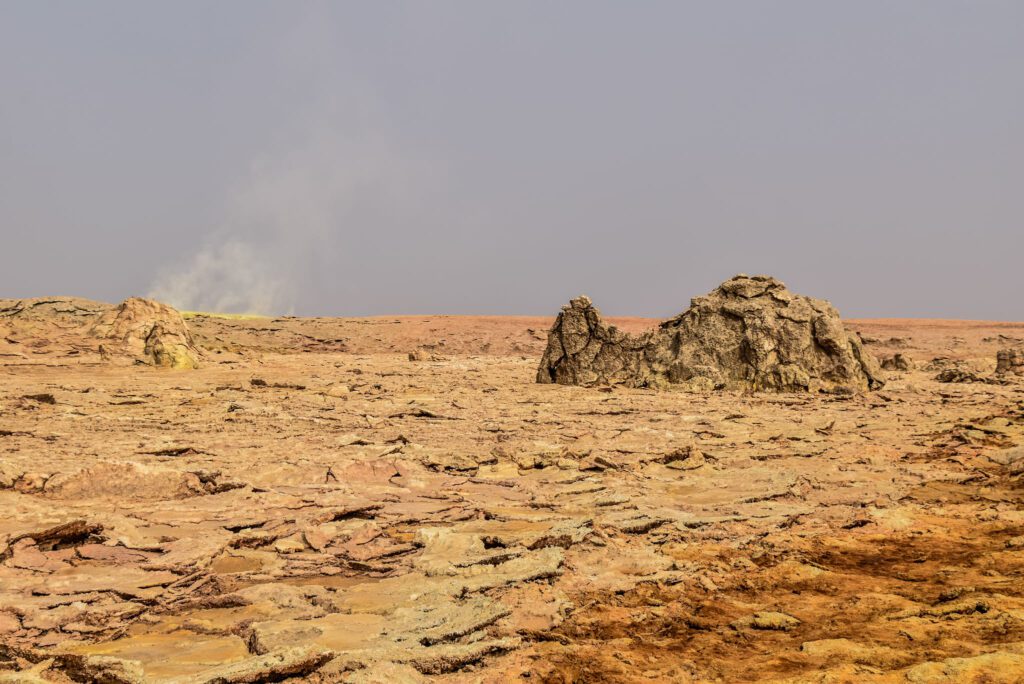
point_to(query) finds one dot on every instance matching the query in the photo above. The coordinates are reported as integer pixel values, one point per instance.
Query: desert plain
(396, 499)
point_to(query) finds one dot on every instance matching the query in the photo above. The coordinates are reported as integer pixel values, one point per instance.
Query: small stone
(1008, 457)
(898, 362)
(771, 620)
(685, 459)
(9, 622)
(337, 390)
(959, 373)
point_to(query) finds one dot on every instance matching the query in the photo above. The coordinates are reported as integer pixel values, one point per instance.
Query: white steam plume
(285, 215)
(308, 194)
(225, 276)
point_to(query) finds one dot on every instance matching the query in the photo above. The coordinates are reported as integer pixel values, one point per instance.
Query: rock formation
(898, 362)
(750, 333)
(960, 372)
(582, 350)
(302, 513)
(1010, 361)
(148, 331)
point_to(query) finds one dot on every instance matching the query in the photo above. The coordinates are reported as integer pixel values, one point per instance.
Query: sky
(361, 158)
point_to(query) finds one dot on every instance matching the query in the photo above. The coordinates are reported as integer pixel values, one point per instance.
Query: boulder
(582, 350)
(148, 331)
(898, 362)
(1010, 361)
(750, 333)
(965, 371)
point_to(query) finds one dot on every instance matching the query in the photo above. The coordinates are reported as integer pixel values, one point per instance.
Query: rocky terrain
(396, 499)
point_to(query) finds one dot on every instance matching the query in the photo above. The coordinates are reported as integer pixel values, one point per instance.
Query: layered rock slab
(750, 333)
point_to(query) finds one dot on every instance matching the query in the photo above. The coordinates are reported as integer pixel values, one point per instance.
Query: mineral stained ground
(397, 500)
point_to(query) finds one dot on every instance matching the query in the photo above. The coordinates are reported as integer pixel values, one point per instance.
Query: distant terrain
(395, 499)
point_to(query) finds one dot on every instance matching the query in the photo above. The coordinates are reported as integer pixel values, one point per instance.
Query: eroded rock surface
(898, 362)
(295, 512)
(583, 350)
(1010, 361)
(148, 331)
(135, 331)
(750, 333)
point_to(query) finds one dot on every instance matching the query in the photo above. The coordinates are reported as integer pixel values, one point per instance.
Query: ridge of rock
(750, 333)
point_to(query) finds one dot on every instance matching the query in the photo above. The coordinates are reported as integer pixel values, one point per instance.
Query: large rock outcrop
(148, 331)
(750, 333)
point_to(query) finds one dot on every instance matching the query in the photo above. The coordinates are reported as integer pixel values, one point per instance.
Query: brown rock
(898, 362)
(125, 481)
(148, 331)
(100, 668)
(772, 620)
(750, 333)
(9, 622)
(999, 666)
(280, 664)
(582, 350)
(1010, 361)
(387, 673)
(75, 532)
(959, 373)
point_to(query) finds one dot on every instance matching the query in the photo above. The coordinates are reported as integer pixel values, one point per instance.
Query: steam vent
(750, 333)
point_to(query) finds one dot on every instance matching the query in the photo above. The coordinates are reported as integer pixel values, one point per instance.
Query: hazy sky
(467, 157)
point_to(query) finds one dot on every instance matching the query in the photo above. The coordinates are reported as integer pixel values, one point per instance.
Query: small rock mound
(960, 372)
(898, 362)
(750, 333)
(148, 331)
(1010, 361)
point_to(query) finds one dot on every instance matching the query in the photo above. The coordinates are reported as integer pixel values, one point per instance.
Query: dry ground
(313, 504)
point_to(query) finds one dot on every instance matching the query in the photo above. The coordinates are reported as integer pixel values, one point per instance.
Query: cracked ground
(395, 500)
